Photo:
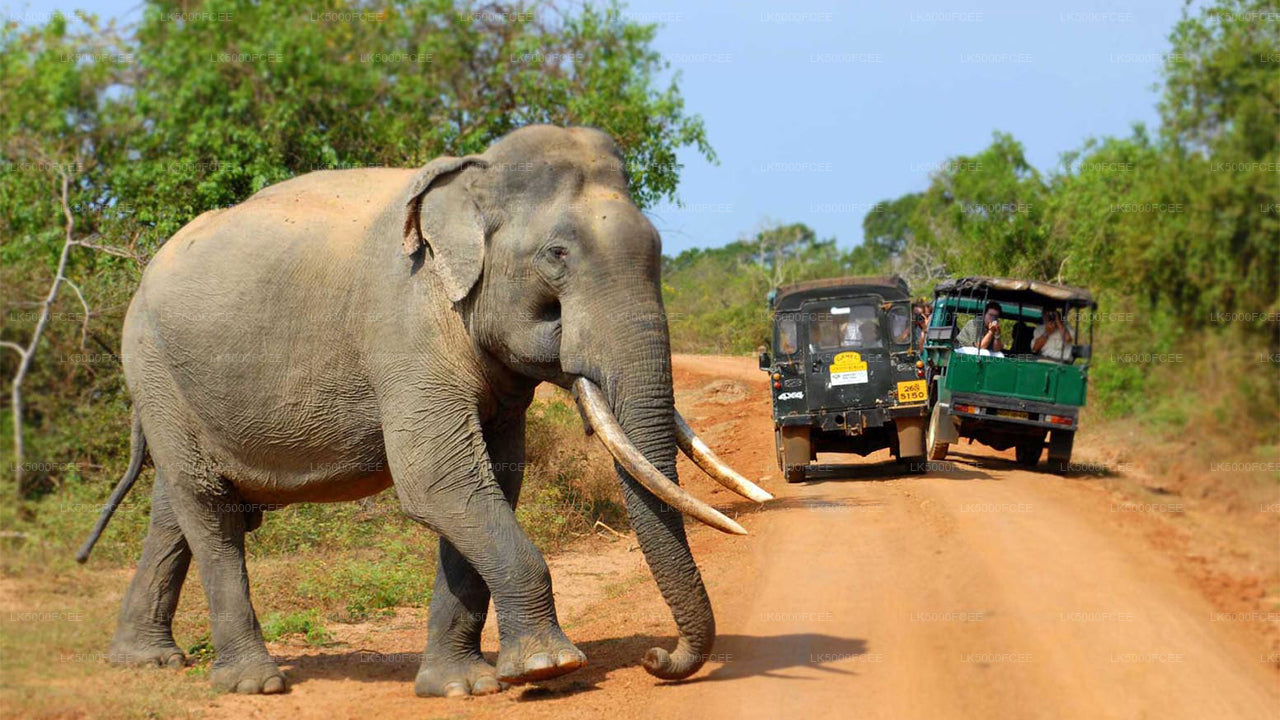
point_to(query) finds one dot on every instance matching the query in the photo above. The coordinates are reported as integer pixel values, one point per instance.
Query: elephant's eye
(552, 262)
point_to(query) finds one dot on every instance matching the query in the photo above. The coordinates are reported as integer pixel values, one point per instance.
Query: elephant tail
(137, 452)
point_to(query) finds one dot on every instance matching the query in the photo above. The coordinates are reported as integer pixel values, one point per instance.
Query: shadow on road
(748, 656)
(358, 665)
(1079, 470)
(734, 656)
(822, 472)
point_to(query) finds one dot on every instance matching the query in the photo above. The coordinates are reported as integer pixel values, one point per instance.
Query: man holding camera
(988, 325)
(1052, 339)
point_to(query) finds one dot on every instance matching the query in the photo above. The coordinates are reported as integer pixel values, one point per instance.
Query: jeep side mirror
(765, 361)
(1084, 352)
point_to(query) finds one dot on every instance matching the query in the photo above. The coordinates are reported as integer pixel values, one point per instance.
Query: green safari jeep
(1006, 364)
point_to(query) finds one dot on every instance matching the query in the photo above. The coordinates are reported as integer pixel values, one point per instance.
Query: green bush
(306, 623)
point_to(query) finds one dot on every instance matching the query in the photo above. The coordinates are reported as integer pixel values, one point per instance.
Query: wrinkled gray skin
(351, 330)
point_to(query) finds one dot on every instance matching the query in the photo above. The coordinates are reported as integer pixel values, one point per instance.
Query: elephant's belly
(341, 488)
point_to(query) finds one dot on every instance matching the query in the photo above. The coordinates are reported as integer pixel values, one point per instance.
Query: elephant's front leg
(452, 665)
(445, 480)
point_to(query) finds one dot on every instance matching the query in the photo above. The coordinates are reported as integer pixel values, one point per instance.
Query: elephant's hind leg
(214, 520)
(144, 633)
(452, 664)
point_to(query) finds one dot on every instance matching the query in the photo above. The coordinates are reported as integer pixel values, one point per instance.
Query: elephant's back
(318, 220)
(335, 194)
(327, 206)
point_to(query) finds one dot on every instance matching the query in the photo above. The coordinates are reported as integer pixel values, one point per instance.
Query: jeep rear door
(846, 358)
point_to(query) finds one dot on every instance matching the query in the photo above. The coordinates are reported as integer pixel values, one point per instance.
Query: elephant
(346, 331)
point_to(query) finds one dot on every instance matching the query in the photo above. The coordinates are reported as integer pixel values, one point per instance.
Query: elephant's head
(557, 273)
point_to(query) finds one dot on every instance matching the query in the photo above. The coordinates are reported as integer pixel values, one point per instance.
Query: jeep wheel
(1060, 442)
(794, 452)
(1027, 452)
(937, 450)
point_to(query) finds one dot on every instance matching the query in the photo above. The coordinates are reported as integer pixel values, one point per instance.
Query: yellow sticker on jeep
(848, 368)
(911, 391)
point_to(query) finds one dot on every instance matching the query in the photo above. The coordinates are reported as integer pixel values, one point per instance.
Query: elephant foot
(540, 656)
(161, 651)
(457, 678)
(249, 677)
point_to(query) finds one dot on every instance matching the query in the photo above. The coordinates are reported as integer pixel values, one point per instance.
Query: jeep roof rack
(890, 287)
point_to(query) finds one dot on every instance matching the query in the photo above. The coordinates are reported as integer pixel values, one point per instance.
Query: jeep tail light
(777, 385)
(1058, 419)
(966, 409)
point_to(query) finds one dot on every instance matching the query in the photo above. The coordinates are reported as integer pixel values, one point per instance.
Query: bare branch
(110, 250)
(13, 346)
(29, 353)
(84, 327)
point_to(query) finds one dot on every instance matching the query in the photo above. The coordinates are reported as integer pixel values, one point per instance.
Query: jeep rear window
(858, 326)
(787, 336)
(900, 325)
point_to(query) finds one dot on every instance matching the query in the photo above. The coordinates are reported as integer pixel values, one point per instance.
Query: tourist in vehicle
(919, 321)
(989, 327)
(859, 327)
(1052, 338)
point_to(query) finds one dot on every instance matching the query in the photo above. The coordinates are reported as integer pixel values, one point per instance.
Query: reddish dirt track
(981, 590)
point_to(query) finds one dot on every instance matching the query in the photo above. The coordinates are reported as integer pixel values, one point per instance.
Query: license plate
(912, 391)
(1013, 414)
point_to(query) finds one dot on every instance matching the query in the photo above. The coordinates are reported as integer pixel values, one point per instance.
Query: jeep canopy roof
(889, 287)
(1009, 290)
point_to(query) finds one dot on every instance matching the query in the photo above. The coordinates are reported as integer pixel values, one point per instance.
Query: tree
(984, 214)
(886, 229)
(1220, 116)
(53, 80)
(224, 108)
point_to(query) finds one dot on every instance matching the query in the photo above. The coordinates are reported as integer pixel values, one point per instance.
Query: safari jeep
(1031, 388)
(845, 372)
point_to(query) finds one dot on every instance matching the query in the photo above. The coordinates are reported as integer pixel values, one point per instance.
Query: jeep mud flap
(943, 427)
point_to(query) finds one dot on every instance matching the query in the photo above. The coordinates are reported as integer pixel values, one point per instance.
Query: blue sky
(818, 110)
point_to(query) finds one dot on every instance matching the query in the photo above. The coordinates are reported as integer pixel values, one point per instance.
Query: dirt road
(978, 591)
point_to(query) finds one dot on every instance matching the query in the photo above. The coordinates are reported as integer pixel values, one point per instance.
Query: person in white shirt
(1052, 339)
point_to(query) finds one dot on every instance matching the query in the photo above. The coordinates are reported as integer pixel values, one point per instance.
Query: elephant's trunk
(643, 403)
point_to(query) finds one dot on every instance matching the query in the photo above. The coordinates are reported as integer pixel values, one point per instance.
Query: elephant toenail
(538, 661)
(176, 660)
(456, 689)
(273, 685)
(247, 687)
(570, 658)
(485, 686)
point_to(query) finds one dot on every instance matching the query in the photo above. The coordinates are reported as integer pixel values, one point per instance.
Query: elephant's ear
(442, 215)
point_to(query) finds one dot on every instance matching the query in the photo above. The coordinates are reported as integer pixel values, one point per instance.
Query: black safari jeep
(845, 371)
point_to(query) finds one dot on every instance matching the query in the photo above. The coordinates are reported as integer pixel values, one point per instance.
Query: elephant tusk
(712, 465)
(597, 411)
